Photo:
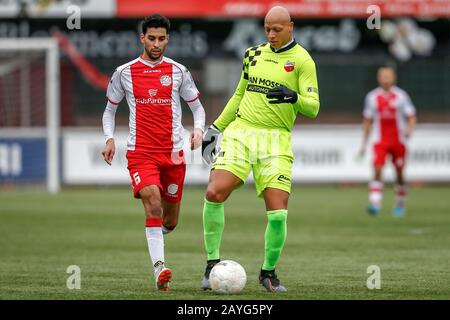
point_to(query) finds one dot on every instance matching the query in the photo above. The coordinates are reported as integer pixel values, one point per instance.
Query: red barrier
(297, 8)
(87, 69)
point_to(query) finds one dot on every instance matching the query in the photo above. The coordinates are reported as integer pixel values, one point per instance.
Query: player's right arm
(368, 115)
(228, 114)
(367, 127)
(115, 94)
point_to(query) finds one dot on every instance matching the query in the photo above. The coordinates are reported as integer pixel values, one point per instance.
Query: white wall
(322, 154)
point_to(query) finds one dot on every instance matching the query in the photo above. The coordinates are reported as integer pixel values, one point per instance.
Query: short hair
(155, 21)
(393, 68)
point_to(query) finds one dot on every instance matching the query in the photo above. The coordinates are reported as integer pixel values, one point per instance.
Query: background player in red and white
(393, 116)
(152, 85)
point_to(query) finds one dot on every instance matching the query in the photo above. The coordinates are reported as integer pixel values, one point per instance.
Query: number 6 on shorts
(136, 178)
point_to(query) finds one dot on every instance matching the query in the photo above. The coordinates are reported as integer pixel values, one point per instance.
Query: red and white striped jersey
(389, 111)
(153, 94)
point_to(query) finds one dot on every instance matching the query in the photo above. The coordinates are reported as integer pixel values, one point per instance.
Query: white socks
(155, 241)
(400, 195)
(375, 193)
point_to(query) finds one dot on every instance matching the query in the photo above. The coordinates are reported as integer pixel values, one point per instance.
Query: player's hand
(209, 145)
(196, 138)
(281, 94)
(109, 151)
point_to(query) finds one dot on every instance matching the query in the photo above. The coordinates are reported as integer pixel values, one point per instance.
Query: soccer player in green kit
(277, 82)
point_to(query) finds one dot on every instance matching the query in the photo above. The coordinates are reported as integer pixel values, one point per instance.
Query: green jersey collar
(286, 47)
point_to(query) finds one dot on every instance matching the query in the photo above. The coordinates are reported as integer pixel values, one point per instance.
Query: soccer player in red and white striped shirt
(393, 116)
(152, 84)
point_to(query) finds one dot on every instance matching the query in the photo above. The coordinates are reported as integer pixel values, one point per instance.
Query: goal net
(29, 113)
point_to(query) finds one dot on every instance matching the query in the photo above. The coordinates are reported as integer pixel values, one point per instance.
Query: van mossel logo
(289, 66)
(153, 92)
(165, 80)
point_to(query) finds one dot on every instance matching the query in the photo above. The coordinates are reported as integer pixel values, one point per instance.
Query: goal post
(49, 47)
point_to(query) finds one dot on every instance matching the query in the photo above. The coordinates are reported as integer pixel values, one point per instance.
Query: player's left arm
(410, 112)
(305, 98)
(198, 113)
(191, 95)
(308, 102)
(412, 121)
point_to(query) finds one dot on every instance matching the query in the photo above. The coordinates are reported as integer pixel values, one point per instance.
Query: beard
(153, 55)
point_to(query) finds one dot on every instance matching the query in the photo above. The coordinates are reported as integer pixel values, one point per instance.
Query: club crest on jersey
(165, 80)
(289, 66)
(172, 189)
(152, 92)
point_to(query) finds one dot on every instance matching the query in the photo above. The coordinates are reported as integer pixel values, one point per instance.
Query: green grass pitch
(331, 242)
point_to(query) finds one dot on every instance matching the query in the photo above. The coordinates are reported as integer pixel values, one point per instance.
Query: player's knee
(168, 227)
(213, 194)
(153, 208)
(277, 204)
(170, 222)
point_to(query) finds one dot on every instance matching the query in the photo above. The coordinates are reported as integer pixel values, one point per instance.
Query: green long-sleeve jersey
(265, 68)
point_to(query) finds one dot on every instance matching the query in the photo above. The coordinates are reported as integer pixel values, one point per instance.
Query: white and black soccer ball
(227, 277)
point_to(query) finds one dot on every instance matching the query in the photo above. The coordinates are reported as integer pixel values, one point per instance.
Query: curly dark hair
(155, 21)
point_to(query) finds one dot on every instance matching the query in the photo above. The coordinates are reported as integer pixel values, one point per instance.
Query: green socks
(275, 237)
(213, 224)
(276, 232)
